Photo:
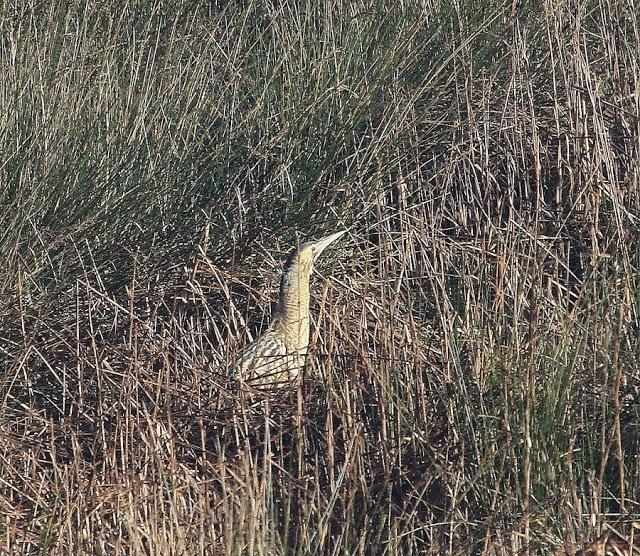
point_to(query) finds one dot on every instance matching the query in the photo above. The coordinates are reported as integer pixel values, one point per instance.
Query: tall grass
(473, 386)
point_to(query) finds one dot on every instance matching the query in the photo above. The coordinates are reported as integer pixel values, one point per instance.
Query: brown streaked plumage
(276, 357)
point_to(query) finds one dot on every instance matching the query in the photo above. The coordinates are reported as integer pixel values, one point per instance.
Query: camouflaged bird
(276, 357)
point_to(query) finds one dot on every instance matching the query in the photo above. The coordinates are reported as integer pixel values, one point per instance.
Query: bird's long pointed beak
(322, 244)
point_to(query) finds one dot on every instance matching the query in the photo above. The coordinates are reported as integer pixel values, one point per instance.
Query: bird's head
(304, 256)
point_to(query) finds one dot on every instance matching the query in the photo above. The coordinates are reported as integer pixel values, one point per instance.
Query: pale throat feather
(292, 313)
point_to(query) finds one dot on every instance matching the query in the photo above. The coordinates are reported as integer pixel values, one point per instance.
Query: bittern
(276, 357)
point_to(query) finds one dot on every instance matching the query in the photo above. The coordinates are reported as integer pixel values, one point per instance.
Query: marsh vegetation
(474, 382)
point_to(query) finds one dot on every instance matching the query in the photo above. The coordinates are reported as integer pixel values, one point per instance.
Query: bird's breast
(295, 333)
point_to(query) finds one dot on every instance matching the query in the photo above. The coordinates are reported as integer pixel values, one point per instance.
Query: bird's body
(277, 357)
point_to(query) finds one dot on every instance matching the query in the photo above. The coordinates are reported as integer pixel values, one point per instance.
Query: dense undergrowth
(474, 384)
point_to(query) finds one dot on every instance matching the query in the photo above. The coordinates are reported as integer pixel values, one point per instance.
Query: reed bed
(474, 381)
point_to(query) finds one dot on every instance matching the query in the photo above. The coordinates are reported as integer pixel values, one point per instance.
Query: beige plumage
(276, 357)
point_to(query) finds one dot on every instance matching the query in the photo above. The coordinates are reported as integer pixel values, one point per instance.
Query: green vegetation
(475, 382)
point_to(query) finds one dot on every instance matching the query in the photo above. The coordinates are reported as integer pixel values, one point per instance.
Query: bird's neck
(292, 313)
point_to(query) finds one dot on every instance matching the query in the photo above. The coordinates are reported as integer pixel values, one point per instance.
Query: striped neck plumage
(293, 307)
